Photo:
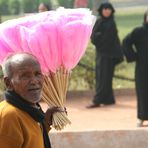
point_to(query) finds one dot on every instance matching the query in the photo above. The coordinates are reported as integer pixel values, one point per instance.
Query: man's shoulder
(10, 127)
(7, 110)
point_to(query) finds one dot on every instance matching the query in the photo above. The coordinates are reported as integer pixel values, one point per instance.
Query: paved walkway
(112, 117)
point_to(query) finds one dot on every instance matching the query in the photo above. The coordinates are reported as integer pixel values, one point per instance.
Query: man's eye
(25, 75)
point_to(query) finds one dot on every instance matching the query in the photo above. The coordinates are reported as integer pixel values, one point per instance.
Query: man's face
(27, 81)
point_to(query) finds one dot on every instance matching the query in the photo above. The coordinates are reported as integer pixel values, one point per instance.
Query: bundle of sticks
(54, 94)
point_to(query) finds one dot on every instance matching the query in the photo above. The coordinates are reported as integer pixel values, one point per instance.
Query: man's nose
(34, 80)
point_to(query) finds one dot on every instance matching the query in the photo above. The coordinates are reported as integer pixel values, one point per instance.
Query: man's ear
(8, 83)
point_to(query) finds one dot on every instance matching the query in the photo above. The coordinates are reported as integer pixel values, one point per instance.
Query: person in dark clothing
(135, 48)
(108, 54)
(44, 7)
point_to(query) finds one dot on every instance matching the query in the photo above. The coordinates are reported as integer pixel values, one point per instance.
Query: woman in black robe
(108, 54)
(135, 47)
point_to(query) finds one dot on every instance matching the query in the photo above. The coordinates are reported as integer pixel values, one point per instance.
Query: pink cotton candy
(56, 38)
(48, 44)
(75, 35)
(4, 51)
(75, 39)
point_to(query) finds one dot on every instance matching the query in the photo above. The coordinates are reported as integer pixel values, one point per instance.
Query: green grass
(127, 20)
(9, 17)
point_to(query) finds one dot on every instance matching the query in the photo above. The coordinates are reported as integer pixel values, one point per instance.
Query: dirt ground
(111, 117)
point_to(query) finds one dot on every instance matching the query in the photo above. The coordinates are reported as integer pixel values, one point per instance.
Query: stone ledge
(90, 93)
(101, 139)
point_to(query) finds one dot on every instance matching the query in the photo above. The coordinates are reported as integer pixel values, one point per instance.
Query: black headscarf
(106, 5)
(36, 113)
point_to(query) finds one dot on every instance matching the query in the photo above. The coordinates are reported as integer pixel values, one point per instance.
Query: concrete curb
(90, 93)
(101, 139)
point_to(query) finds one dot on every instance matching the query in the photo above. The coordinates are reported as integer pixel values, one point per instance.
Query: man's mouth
(34, 89)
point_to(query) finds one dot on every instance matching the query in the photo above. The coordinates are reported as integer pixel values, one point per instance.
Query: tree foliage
(4, 8)
(66, 3)
(29, 6)
(14, 6)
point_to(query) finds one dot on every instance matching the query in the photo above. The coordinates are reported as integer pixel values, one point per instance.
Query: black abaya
(135, 47)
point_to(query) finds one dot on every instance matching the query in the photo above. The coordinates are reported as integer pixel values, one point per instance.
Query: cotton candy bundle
(58, 39)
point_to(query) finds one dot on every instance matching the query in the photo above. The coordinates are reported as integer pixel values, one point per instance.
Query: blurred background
(129, 14)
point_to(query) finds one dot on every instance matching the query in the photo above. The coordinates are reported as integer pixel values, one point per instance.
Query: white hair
(10, 60)
(6, 67)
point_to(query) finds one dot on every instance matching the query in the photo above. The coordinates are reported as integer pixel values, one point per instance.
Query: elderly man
(22, 122)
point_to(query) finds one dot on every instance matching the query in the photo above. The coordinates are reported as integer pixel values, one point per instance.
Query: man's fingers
(57, 109)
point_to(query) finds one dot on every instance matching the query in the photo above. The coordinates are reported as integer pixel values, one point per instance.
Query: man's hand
(49, 114)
